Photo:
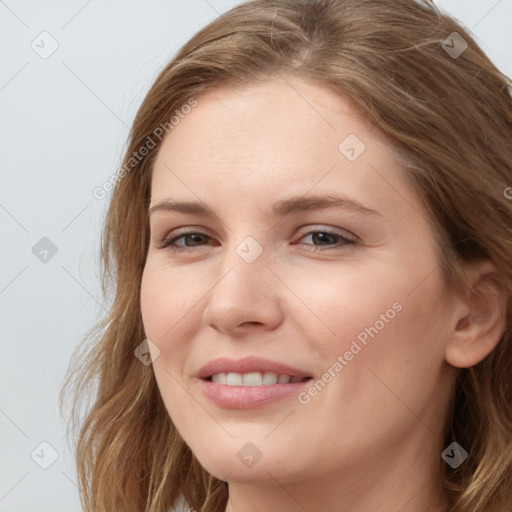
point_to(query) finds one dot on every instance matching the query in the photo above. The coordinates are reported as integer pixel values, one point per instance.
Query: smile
(254, 379)
(249, 382)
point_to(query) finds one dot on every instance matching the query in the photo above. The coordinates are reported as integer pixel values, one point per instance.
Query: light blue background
(64, 123)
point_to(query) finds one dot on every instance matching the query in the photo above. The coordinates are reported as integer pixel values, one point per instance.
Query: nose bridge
(243, 268)
(242, 293)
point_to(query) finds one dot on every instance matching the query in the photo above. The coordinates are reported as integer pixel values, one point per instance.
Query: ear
(480, 319)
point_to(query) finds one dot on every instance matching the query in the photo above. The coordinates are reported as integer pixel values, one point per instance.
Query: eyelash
(167, 243)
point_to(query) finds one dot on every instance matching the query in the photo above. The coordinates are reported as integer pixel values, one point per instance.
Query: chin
(246, 462)
(233, 472)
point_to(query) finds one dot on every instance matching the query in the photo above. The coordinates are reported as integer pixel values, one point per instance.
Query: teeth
(219, 377)
(269, 378)
(253, 379)
(234, 379)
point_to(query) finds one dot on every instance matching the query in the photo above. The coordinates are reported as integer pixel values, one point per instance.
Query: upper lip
(247, 365)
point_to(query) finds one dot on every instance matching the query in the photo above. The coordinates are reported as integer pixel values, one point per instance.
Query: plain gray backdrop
(65, 114)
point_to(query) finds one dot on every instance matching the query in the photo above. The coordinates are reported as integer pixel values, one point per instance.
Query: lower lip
(249, 397)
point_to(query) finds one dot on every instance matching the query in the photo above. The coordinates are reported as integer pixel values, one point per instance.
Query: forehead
(283, 137)
(228, 121)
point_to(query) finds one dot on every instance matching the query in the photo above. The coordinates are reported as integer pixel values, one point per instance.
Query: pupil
(320, 236)
(196, 237)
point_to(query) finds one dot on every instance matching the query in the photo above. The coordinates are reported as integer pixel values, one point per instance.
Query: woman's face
(301, 252)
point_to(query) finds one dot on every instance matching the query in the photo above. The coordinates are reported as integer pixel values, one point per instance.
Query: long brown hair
(443, 107)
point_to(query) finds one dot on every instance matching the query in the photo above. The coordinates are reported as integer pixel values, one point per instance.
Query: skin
(371, 439)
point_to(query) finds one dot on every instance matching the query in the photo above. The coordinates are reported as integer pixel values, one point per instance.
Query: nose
(246, 296)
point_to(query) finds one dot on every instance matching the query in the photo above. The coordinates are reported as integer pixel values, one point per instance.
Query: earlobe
(480, 327)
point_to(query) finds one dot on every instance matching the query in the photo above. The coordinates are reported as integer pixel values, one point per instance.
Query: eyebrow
(280, 208)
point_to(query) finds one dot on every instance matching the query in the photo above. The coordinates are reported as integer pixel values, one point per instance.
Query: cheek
(151, 297)
(402, 348)
(385, 314)
(163, 304)
(166, 298)
(337, 304)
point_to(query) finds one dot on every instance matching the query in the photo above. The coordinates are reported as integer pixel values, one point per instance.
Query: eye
(326, 239)
(195, 237)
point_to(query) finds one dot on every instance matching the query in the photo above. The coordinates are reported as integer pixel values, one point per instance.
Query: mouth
(254, 379)
(250, 382)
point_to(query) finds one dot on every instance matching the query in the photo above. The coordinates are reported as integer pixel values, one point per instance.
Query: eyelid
(328, 229)
(304, 231)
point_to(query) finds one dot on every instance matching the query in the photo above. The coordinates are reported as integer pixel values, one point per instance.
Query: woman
(310, 245)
